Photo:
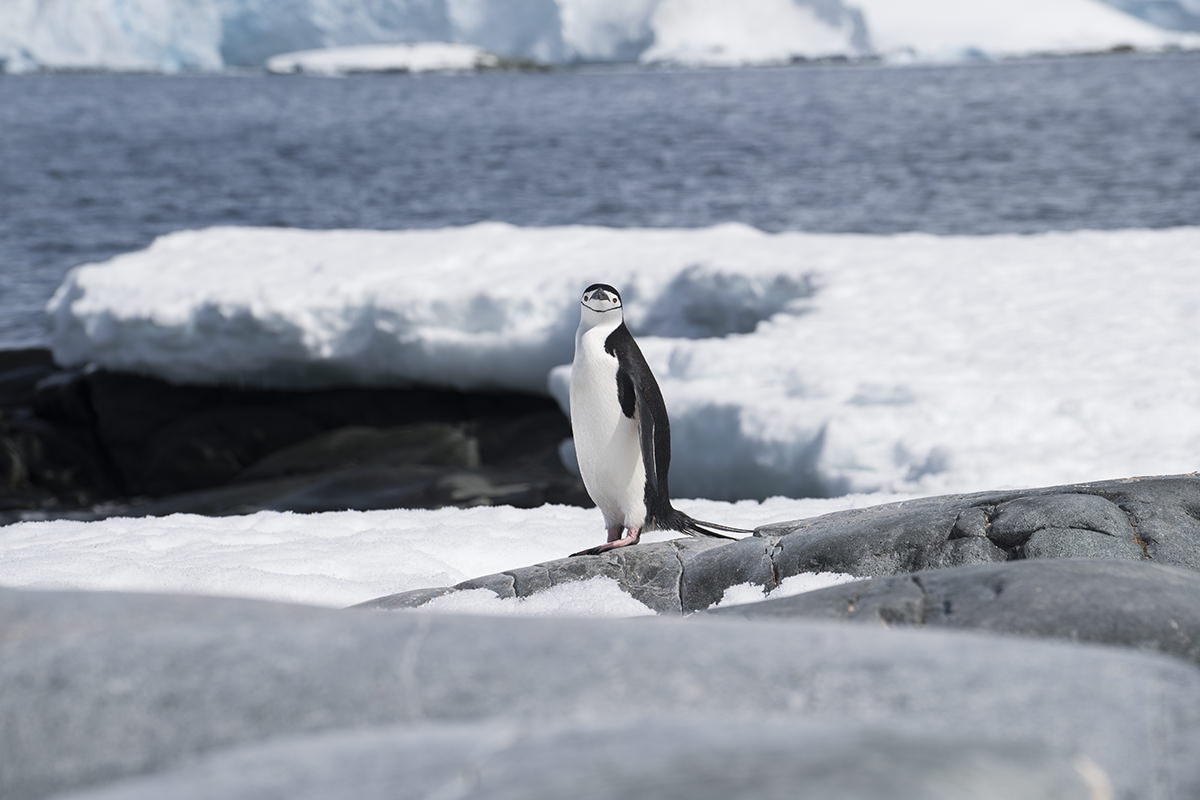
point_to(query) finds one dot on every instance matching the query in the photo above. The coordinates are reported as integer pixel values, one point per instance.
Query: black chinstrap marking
(597, 310)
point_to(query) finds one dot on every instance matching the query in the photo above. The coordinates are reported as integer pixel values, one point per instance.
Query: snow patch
(346, 557)
(595, 597)
(744, 593)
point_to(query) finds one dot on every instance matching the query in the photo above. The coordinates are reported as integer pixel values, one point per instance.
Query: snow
(942, 30)
(612, 30)
(342, 558)
(744, 593)
(792, 364)
(424, 57)
(710, 32)
(167, 35)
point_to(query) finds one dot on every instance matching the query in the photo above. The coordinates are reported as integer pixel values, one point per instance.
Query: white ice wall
(170, 35)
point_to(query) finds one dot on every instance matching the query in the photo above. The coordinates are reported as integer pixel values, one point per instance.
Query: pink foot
(625, 541)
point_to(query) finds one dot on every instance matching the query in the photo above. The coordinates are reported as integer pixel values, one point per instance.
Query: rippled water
(94, 165)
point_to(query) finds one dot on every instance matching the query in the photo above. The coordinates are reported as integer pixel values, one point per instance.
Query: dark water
(91, 166)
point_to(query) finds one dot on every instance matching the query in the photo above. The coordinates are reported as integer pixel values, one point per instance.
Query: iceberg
(792, 364)
(138, 35)
(426, 57)
(168, 36)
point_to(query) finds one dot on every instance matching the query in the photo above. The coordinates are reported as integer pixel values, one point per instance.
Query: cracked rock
(1016, 520)
(1079, 543)
(1133, 604)
(652, 573)
(1135, 519)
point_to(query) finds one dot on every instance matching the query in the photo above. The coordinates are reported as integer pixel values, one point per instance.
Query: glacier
(208, 35)
(1179, 15)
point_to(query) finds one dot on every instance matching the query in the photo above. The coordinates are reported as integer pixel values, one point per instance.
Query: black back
(638, 393)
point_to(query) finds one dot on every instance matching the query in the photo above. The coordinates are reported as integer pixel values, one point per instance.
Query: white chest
(607, 443)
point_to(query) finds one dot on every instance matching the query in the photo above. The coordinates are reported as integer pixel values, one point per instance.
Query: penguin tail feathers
(697, 527)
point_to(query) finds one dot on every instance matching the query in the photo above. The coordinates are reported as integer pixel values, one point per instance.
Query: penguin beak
(596, 300)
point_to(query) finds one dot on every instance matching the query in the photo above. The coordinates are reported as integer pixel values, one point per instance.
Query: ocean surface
(95, 165)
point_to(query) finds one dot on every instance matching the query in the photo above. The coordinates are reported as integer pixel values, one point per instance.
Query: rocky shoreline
(93, 443)
(1034, 644)
(1040, 643)
(1155, 520)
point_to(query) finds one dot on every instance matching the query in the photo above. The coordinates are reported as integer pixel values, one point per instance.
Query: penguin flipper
(636, 405)
(641, 400)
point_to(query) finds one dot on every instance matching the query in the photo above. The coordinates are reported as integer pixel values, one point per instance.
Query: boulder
(196, 694)
(1139, 520)
(1133, 604)
(690, 757)
(1110, 519)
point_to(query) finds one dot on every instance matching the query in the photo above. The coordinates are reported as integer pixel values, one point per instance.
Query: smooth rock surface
(1138, 605)
(688, 758)
(101, 687)
(1138, 519)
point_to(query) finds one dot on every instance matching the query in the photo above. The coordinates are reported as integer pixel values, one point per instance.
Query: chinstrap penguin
(622, 434)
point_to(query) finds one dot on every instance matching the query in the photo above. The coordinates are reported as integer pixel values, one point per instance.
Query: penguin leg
(614, 532)
(629, 538)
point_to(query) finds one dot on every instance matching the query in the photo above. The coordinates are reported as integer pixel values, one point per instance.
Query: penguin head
(601, 299)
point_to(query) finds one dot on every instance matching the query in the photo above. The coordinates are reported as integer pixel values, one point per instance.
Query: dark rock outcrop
(105, 687)
(1138, 519)
(72, 440)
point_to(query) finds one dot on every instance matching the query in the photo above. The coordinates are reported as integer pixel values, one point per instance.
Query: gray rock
(100, 687)
(1155, 519)
(1012, 521)
(689, 758)
(651, 573)
(1128, 603)
(1076, 543)
(1147, 518)
(430, 443)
